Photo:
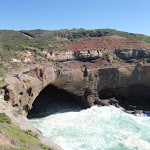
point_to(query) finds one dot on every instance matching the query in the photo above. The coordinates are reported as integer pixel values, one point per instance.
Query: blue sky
(124, 15)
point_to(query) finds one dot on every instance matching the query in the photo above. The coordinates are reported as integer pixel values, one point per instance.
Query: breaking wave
(96, 128)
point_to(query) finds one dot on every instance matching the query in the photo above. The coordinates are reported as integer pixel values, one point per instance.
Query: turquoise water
(96, 128)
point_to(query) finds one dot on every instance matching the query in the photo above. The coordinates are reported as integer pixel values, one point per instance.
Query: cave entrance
(132, 97)
(52, 100)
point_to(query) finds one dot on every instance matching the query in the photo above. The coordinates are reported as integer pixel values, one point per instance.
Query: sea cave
(50, 97)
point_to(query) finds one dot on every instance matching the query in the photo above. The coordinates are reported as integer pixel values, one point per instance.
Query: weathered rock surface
(132, 54)
(127, 87)
(24, 86)
(88, 86)
(79, 55)
(124, 48)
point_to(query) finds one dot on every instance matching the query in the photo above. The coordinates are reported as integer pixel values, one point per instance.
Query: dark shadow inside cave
(136, 96)
(53, 100)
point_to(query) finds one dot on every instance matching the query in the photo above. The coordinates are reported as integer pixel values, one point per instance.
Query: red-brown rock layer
(110, 43)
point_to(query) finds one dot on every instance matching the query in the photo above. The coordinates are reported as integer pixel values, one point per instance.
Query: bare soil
(111, 43)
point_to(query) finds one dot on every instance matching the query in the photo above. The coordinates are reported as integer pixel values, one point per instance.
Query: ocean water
(96, 128)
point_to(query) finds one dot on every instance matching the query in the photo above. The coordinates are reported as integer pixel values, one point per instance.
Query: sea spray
(96, 128)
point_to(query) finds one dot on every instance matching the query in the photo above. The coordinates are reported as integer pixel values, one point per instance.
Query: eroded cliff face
(128, 54)
(78, 55)
(130, 85)
(102, 86)
(23, 87)
(124, 48)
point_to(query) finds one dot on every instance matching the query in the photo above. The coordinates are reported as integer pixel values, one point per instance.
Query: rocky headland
(102, 77)
(113, 70)
(125, 86)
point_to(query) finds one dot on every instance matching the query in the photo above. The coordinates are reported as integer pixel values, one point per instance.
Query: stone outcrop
(81, 55)
(23, 87)
(87, 54)
(127, 54)
(129, 84)
(124, 48)
(121, 79)
(89, 86)
(58, 55)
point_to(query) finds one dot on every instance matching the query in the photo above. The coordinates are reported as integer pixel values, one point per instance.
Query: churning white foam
(96, 128)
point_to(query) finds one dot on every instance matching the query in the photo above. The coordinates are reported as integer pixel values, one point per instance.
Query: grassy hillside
(41, 39)
(14, 42)
(82, 33)
(13, 138)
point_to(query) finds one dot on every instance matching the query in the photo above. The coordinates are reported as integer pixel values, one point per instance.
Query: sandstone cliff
(99, 73)
(88, 86)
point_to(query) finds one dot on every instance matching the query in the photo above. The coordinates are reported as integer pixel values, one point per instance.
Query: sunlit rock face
(89, 86)
(69, 55)
(127, 54)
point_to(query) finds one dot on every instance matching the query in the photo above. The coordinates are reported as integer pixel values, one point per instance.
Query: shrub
(59, 66)
(5, 55)
(85, 65)
(3, 72)
(37, 53)
(1, 82)
(4, 118)
(26, 140)
(65, 49)
(15, 65)
(22, 46)
(44, 147)
(144, 60)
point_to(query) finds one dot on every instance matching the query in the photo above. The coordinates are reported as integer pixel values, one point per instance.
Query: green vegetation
(144, 60)
(4, 118)
(15, 65)
(37, 52)
(10, 40)
(23, 148)
(3, 72)
(1, 82)
(115, 58)
(85, 65)
(42, 39)
(12, 43)
(22, 46)
(82, 33)
(59, 65)
(6, 54)
(25, 139)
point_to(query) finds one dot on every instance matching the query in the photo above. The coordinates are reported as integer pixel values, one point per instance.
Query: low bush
(4, 118)
(3, 73)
